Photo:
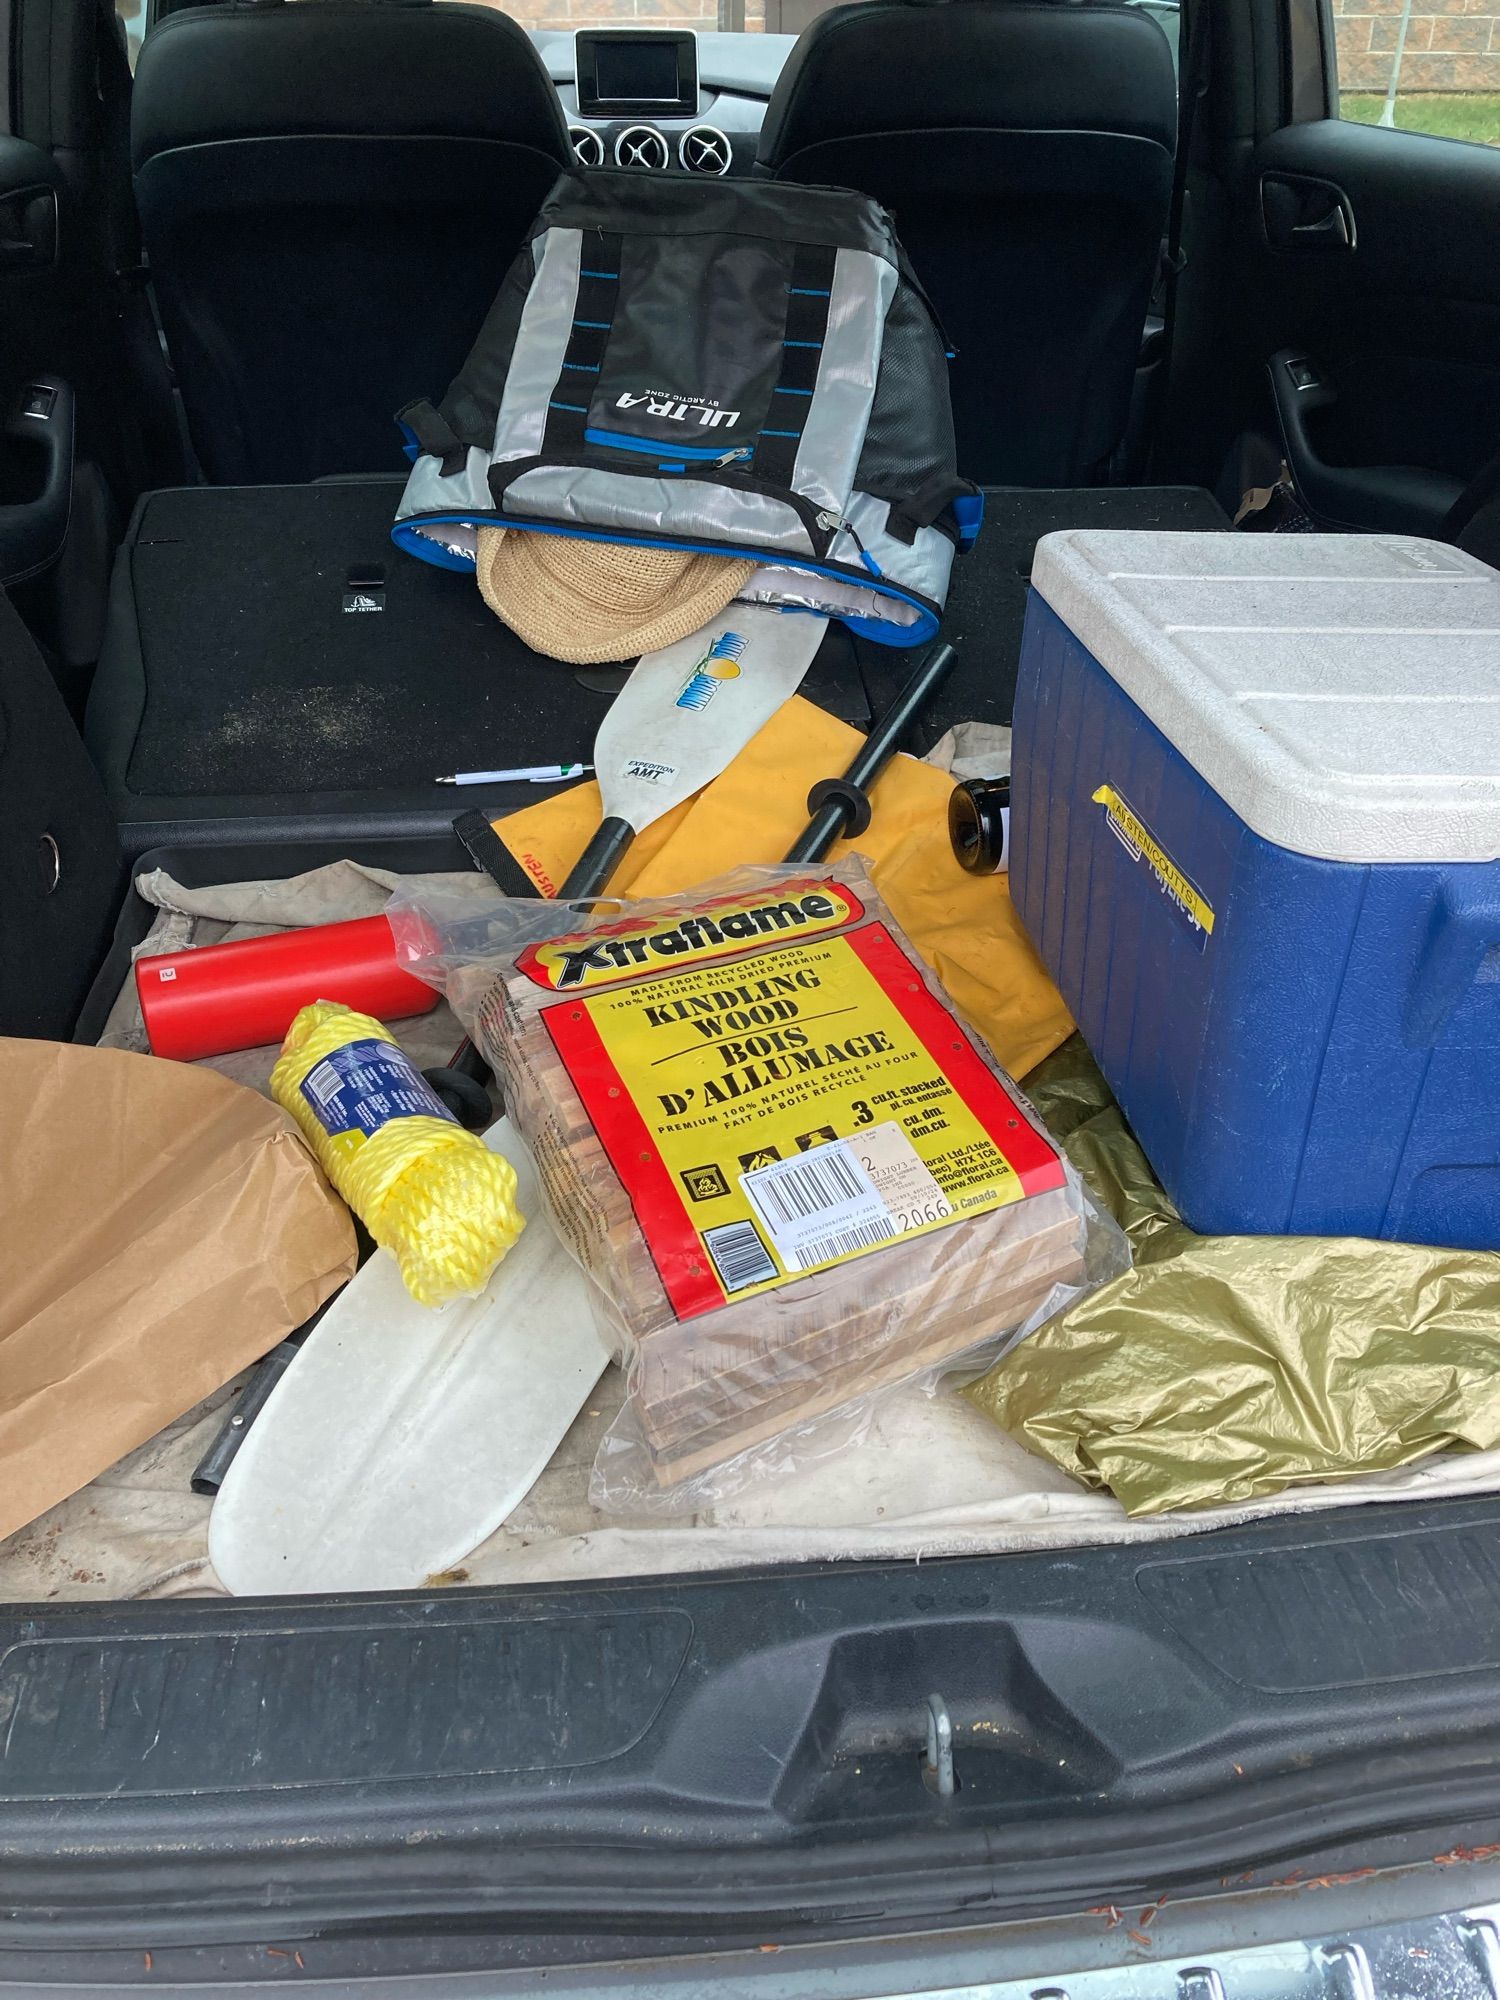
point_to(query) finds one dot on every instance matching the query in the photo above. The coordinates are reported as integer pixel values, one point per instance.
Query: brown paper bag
(163, 1228)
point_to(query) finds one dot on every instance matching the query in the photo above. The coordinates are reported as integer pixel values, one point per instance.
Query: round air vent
(642, 146)
(704, 150)
(588, 147)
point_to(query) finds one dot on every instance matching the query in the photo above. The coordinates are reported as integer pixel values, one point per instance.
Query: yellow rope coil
(426, 1189)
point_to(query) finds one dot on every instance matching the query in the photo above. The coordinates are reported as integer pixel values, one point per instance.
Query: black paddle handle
(208, 1474)
(590, 874)
(588, 878)
(841, 805)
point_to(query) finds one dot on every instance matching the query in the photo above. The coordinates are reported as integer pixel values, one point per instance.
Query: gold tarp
(1225, 1368)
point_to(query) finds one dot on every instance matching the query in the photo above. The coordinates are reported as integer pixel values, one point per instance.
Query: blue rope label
(364, 1085)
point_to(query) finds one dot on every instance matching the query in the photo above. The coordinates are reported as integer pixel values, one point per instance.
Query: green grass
(1466, 115)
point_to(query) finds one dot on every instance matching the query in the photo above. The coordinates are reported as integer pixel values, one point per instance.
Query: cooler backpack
(741, 368)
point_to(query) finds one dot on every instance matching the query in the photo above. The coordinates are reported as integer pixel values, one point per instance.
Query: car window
(1423, 65)
(725, 17)
(741, 16)
(707, 16)
(132, 14)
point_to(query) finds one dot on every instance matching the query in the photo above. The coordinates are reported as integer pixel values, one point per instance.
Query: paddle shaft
(208, 1473)
(599, 860)
(836, 813)
(590, 873)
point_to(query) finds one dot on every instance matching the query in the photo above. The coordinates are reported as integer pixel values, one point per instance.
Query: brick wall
(1450, 45)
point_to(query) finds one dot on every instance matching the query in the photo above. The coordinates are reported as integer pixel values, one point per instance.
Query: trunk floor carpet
(272, 641)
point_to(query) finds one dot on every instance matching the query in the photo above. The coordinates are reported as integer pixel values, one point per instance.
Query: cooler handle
(1464, 925)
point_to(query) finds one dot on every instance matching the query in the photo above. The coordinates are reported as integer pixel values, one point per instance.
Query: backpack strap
(960, 500)
(593, 317)
(429, 430)
(809, 295)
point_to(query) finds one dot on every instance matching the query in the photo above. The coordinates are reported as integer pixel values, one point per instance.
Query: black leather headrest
(332, 67)
(900, 65)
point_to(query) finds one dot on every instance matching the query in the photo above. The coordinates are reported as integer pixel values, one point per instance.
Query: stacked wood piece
(706, 1388)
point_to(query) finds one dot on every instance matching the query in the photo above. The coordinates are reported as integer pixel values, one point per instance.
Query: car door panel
(36, 478)
(36, 408)
(60, 866)
(1373, 290)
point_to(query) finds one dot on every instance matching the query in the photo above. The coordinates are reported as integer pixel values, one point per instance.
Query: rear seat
(270, 657)
(329, 197)
(270, 661)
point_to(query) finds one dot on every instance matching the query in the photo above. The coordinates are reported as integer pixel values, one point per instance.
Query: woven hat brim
(585, 601)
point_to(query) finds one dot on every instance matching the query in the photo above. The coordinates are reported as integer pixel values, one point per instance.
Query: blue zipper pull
(865, 557)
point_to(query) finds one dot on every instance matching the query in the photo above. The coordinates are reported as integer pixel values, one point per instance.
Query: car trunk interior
(920, 1677)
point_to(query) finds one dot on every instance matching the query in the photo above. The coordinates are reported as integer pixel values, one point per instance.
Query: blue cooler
(1255, 835)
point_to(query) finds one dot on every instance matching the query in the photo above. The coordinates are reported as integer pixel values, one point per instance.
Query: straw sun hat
(585, 601)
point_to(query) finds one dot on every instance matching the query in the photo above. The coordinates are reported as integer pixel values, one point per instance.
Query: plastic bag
(793, 1175)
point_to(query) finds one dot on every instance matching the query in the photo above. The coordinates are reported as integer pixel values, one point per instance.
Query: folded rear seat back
(744, 368)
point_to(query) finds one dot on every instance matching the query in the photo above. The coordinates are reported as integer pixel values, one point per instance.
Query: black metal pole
(209, 1473)
(839, 810)
(455, 1082)
(590, 874)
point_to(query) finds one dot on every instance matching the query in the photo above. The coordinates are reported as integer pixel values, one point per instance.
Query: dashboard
(664, 99)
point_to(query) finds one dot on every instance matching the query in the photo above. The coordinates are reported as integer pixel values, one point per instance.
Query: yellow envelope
(964, 925)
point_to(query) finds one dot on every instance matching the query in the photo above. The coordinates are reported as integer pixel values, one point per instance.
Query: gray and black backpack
(741, 368)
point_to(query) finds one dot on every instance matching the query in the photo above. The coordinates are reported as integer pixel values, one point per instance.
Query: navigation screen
(636, 72)
(653, 71)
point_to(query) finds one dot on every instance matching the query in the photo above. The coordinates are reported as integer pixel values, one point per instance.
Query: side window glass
(1423, 65)
(132, 17)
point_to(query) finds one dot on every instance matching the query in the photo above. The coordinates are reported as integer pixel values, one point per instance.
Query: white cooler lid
(1341, 693)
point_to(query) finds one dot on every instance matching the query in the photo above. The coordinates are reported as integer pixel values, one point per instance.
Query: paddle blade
(688, 711)
(403, 1435)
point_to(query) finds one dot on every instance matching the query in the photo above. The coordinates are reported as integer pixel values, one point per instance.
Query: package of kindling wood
(794, 1176)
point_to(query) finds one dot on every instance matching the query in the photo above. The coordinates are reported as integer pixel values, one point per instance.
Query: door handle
(28, 229)
(1330, 233)
(1405, 499)
(1301, 213)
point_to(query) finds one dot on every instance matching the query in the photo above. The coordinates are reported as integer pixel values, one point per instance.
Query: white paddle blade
(402, 1436)
(689, 710)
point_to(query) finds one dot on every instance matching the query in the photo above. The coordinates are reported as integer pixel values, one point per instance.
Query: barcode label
(323, 1085)
(815, 1250)
(740, 1258)
(789, 1191)
(820, 1206)
(364, 1085)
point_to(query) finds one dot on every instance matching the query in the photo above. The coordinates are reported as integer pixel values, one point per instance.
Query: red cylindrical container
(242, 996)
